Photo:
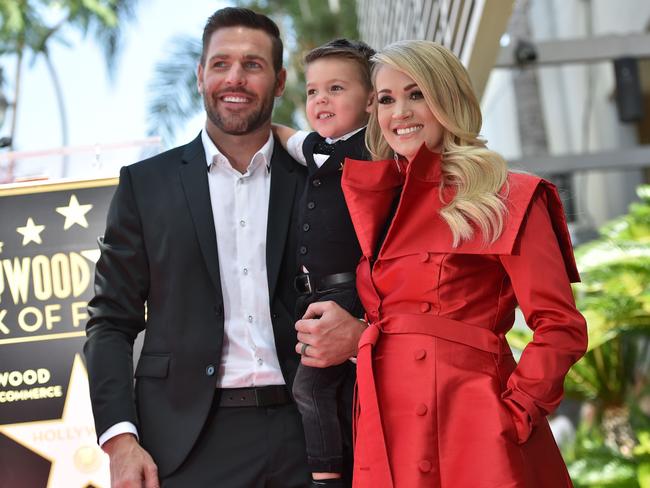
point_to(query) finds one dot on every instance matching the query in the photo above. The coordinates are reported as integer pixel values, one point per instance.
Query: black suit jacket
(160, 248)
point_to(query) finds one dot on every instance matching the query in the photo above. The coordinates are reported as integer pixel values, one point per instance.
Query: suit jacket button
(316, 183)
(421, 410)
(420, 354)
(209, 371)
(425, 466)
(425, 307)
(311, 205)
(303, 250)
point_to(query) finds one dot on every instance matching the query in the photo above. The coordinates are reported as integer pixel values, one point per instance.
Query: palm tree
(26, 26)
(175, 98)
(306, 24)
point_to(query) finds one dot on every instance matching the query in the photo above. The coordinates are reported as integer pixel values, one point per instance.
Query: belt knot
(370, 335)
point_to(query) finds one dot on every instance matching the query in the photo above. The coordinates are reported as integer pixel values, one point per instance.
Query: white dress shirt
(240, 205)
(295, 142)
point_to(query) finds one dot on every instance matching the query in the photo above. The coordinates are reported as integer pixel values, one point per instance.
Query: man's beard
(236, 123)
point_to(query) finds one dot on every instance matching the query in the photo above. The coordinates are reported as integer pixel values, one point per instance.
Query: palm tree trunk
(11, 165)
(619, 434)
(17, 81)
(63, 117)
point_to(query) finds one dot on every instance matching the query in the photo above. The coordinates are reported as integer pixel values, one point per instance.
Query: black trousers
(246, 447)
(319, 391)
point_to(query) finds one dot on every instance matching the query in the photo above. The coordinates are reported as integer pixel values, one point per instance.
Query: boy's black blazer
(160, 248)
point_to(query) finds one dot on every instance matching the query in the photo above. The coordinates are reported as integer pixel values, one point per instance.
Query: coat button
(425, 307)
(424, 466)
(305, 227)
(421, 409)
(420, 354)
(424, 257)
(316, 183)
(311, 205)
(303, 250)
(209, 371)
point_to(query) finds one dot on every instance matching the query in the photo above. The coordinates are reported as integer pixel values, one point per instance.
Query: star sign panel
(48, 250)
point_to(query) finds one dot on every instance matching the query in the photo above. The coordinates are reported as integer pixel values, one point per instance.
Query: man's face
(238, 82)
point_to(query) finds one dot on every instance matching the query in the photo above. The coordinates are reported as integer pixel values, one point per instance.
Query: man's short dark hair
(243, 17)
(357, 51)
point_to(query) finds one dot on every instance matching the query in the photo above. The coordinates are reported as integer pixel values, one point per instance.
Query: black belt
(261, 396)
(307, 283)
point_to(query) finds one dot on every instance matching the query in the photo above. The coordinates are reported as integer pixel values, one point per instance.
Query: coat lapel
(284, 181)
(194, 178)
(370, 188)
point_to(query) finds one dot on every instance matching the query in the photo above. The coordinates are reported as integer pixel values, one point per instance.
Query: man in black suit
(205, 236)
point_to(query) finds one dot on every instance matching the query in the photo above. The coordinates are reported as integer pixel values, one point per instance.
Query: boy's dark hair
(357, 51)
(236, 17)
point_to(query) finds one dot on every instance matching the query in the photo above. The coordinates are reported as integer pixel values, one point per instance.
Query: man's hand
(131, 465)
(332, 335)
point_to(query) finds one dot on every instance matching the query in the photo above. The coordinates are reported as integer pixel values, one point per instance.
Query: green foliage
(615, 298)
(30, 26)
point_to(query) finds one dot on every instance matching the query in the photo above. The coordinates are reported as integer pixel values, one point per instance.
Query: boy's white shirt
(295, 142)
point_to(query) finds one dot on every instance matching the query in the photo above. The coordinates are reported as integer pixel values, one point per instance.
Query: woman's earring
(396, 158)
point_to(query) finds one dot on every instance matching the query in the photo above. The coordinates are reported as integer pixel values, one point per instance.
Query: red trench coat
(441, 401)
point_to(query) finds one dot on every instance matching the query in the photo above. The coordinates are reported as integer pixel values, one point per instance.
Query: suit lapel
(194, 177)
(283, 188)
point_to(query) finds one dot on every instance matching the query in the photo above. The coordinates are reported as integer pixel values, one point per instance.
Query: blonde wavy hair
(475, 172)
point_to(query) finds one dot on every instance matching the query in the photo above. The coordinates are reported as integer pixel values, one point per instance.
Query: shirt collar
(344, 137)
(214, 156)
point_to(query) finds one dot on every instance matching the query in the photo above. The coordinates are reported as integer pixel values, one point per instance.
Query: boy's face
(338, 102)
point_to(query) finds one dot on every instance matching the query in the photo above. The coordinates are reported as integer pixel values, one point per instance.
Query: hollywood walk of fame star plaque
(48, 250)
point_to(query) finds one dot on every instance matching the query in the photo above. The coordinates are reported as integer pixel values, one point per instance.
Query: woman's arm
(542, 286)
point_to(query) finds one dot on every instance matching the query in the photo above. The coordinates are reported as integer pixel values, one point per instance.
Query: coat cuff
(524, 422)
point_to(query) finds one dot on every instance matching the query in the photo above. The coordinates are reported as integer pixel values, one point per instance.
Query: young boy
(339, 99)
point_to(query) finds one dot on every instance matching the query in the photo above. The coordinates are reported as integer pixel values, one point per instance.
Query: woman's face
(404, 116)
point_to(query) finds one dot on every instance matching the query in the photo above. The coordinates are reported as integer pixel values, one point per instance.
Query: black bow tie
(323, 147)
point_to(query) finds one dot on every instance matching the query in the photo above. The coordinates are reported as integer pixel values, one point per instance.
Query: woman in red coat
(452, 243)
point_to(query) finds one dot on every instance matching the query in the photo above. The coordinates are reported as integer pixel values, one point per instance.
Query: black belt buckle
(302, 284)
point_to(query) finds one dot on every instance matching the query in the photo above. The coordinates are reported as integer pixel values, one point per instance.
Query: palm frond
(174, 96)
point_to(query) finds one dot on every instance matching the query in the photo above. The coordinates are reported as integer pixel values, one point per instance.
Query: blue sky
(101, 111)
